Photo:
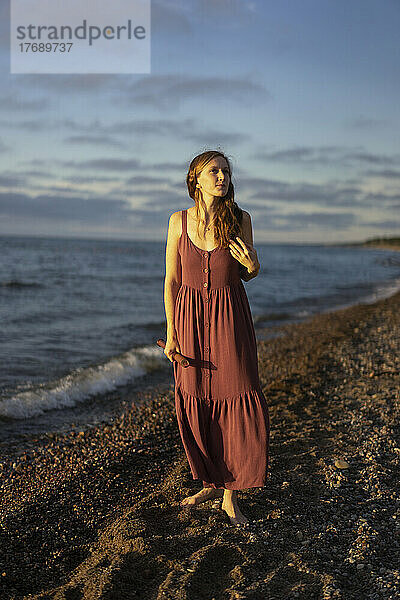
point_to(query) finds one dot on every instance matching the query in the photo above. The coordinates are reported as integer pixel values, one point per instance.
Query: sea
(80, 318)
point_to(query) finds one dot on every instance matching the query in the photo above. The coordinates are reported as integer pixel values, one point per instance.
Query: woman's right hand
(171, 346)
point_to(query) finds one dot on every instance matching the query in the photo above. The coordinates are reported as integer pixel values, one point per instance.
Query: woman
(221, 410)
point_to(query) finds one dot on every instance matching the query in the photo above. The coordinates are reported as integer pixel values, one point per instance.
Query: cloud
(395, 205)
(11, 102)
(324, 194)
(64, 214)
(187, 129)
(97, 210)
(27, 125)
(7, 181)
(5, 25)
(366, 123)
(89, 179)
(146, 180)
(167, 127)
(73, 83)
(373, 158)
(179, 18)
(229, 13)
(384, 173)
(21, 178)
(37, 173)
(170, 166)
(65, 188)
(105, 164)
(384, 224)
(161, 200)
(35, 161)
(226, 5)
(169, 91)
(218, 138)
(302, 221)
(330, 220)
(302, 154)
(121, 164)
(153, 220)
(94, 140)
(168, 18)
(377, 199)
(326, 155)
(159, 91)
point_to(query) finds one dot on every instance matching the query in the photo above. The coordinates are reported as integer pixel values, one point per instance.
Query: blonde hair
(228, 215)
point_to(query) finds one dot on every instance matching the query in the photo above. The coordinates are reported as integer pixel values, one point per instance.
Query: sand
(94, 514)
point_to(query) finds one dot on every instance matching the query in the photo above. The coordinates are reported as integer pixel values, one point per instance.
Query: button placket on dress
(212, 456)
(206, 334)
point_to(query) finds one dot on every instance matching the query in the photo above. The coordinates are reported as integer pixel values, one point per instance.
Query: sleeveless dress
(221, 410)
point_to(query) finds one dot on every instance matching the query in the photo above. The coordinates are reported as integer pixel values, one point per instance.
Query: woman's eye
(216, 170)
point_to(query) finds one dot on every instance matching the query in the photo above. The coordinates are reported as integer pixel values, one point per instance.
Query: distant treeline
(382, 241)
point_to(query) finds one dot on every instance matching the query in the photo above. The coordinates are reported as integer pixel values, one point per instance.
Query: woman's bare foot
(202, 496)
(230, 506)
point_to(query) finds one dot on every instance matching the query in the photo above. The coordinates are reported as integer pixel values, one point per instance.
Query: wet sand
(94, 513)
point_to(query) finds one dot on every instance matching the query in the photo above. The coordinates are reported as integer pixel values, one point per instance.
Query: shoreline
(376, 245)
(94, 513)
(382, 246)
(103, 407)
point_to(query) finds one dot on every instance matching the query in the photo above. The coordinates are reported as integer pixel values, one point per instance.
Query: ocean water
(80, 318)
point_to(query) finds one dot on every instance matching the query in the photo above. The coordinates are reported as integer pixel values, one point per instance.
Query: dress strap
(184, 221)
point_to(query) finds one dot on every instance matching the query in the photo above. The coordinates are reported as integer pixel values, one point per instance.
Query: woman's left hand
(244, 253)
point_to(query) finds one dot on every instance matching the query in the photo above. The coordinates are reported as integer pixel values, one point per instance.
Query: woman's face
(214, 178)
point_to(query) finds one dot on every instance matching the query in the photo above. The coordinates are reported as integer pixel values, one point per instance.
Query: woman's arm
(247, 233)
(173, 272)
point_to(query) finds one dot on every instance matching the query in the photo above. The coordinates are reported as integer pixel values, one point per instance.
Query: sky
(302, 96)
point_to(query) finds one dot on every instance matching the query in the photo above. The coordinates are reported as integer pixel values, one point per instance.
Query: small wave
(301, 314)
(389, 261)
(383, 290)
(83, 383)
(271, 316)
(15, 283)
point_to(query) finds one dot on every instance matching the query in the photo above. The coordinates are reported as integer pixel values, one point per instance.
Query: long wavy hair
(228, 215)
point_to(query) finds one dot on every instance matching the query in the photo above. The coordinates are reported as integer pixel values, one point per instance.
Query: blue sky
(303, 97)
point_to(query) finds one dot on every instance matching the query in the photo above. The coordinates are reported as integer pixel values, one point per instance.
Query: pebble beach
(94, 513)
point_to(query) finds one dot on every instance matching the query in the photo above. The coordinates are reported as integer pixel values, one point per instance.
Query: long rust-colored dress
(221, 410)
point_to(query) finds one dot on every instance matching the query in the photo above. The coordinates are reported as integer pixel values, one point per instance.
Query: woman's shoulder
(175, 222)
(246, 220)
(176, 216)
